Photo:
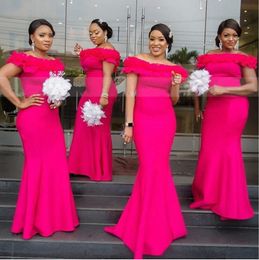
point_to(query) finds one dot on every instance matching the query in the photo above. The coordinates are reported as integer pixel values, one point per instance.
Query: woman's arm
(77, 49)
(246, 89)
(175, 87)
(174, 93)
(197, 111)
(132, 80)
(107, 80)
(8, 71)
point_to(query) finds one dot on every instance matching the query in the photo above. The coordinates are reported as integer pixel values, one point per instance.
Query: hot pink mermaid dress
(220, 180)
(152, 218)
(91, 148)
(45, 201)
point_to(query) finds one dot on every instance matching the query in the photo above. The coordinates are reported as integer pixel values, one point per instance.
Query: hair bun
(104, 26)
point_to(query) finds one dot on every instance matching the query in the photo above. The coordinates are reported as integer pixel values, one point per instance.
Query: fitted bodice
(154, 79)
(34, 71)
(92, 60)
(225, 68)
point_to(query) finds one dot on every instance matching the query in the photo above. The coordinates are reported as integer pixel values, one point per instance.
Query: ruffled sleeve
(131, 65)
(201, 61)
(248, 61)
(182, 71)
(17, 58)
(111, 56)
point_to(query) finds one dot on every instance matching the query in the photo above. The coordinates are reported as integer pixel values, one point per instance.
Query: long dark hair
(229, 23)
(104, 26)
(36, 24)
(165, 30)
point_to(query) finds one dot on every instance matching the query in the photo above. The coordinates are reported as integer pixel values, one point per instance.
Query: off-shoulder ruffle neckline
(31, 64)
(227, 54)
(102, 54)
(143, 67)
(240, 58)
(152, 63)
(34, 57)
(99, 49)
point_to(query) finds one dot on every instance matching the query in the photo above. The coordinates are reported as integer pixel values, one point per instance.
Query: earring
(33, 46)
(236, 46)
(105, 38)
(166, 52)
(220, 45)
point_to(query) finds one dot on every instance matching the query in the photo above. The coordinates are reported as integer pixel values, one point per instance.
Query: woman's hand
(174, 92)
(33, 100)
(127, 135)
(55, 105)
(198, 115)
(77, 49)
(103, 101)
(177, 78)
(217, 90)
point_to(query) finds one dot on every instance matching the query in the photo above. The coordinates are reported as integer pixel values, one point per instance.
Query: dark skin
(157, 47)
(97, 36)
(229, 39)
(42, 39)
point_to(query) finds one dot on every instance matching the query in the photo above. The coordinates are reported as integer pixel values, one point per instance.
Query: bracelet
(130, 124)
(105, 95)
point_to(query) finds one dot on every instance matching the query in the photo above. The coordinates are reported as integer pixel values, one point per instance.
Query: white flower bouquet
(56, 87)
(199, 81)
(92, 113)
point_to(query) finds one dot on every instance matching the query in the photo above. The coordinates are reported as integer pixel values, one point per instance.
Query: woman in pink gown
(152, 218)
(91, 148)
(220, 181)
(45, 201)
